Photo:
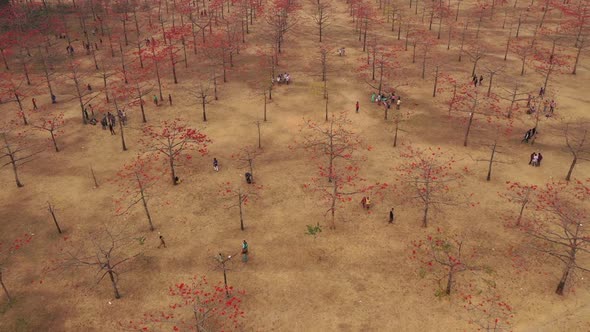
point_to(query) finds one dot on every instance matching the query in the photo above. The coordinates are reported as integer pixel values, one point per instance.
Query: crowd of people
(386, 100)
(541, 104)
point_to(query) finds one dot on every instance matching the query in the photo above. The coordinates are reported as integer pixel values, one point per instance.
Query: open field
(358, 276)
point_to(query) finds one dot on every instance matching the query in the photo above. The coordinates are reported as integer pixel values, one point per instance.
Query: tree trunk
(54, 141)
(93, 177)
(571, 170)
(241, 212)
(472, 114)
(203, 105)
(114, 283)
(144, 202)
(449, 282)
(489, 177)
(52, 212)
(561, 285)
(4, 287)
(522, 207)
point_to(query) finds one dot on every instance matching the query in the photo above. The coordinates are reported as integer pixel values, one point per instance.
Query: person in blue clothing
(244, 251)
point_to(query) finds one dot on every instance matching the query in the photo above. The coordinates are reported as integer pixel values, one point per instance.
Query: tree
(332, 140)
(520, 194)
(7, 250)
(83, 95)
(476, 52)
(398, 118)
(548, 61)
(560, 227)
(240, 196)
(52, 124)
(494, 151)
(202, 92)
(490, 313)
(344, 183)
(135, 181)
(174, 140)
(445, 256)
(427, 177)
(11, 91)
(246, 156)
(472, 101)
(17, 151)
(197, 306)
(105, 250)
(576, 141)
(321, 15)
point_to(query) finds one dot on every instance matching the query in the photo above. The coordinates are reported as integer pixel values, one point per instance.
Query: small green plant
(313, 230)
(141, 240)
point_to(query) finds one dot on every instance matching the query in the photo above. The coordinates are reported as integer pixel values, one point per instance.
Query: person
(391, 216)
(528, 101)
(244, 251)
(368, 203)
(215, 165)
(34, 103)
(89, 87)
(364, 202)
(249, 178)
(53, 99)
(373, 97)
(156, 100)
(162, 242)
(357, 106)
(399, 101)
(104, 122)
(540, 157)
(545, 105)
(480, 79)
(532, 109)
(532, 157)
(541, 92)
(176, 180)
(552, 106)
(474, 80)
(535, 160)
(343, 51)
(111, 122)
(527, 136)
(170, 99)
(93, 121)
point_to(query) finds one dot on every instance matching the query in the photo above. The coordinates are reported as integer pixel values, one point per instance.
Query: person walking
(480, 80)
(398, 103)
(357, 106)
(34, 103)
(53, 99)
(111, 123)
(391, 216)
(533, 155)
(215, 165)
(539, 158)
(156, 100)
(162, 242)
(244, 251)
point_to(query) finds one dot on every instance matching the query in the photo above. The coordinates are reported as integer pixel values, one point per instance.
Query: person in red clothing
(357, 106)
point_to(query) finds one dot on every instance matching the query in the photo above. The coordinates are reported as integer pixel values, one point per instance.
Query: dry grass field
(356, 277)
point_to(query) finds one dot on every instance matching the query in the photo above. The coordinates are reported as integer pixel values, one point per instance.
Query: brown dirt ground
(355, 278)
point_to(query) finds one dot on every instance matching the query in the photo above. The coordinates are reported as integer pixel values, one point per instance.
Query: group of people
(283, 78)
(109, 120)
(477, 81)
(536, 159)
(387, 101)
(548, 105)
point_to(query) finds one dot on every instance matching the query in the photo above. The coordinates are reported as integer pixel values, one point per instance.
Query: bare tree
(321, 15)
(576, 141)
(245, 157)
(106, 251)
(18, 153)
